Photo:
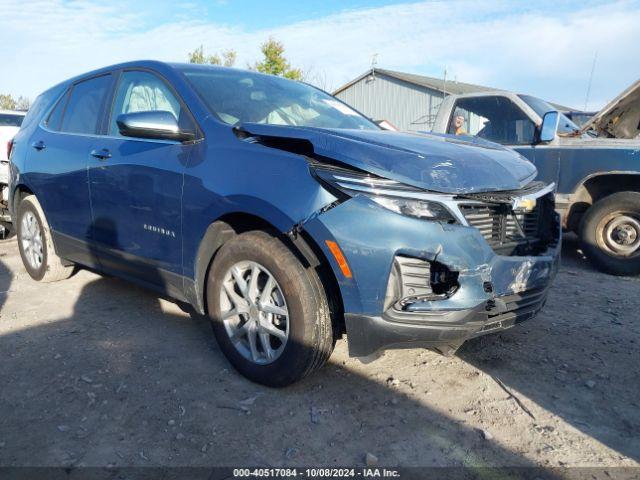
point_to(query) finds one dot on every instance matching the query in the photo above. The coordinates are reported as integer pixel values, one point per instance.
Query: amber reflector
(337, 254)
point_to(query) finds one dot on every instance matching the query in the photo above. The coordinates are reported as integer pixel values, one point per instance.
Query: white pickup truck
(10, 122)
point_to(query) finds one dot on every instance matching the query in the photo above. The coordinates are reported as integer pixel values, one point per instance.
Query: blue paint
(146, 208)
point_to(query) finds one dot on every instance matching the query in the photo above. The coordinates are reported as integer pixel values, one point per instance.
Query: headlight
(392, 195)
(414, 208)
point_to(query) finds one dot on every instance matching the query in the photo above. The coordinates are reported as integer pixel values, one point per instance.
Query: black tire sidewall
(623, 201)
(299, 296)
(27, 206)
(11, 231)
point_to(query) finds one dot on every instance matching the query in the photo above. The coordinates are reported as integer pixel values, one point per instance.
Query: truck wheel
(36, 245)
(610, 234)
(269, 313)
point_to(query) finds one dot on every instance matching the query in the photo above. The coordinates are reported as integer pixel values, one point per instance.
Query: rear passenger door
(57, 165)
(136, 187)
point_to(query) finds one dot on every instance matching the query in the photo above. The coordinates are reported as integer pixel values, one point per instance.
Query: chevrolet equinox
(281, 213)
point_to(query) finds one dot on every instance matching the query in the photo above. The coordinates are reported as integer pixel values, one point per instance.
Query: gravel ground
(97, 372)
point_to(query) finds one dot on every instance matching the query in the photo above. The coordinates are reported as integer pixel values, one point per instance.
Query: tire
(601, 232)
(7, 232)
(294, 289)
(30, 219)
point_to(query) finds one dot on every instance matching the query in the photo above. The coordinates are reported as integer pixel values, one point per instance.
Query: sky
(544, 48)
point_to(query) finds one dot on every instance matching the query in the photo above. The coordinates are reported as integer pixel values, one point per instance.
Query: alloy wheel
(254, 312)
(31, 239)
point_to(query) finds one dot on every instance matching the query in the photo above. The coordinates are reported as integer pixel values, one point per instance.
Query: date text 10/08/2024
(316, 472)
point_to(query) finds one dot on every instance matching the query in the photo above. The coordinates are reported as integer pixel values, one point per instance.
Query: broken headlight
(395, 196)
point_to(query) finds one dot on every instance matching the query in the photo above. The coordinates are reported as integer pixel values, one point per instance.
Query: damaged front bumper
(481, 291)
(443, 330)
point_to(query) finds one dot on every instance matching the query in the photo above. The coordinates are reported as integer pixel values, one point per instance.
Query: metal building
(410, 102)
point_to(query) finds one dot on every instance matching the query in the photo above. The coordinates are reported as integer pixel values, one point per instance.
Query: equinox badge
(161, 231)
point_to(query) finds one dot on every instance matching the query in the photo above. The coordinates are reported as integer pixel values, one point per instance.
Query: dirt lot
(95, 371)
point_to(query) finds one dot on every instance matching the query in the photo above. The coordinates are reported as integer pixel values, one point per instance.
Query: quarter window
(84, 106)
(144, 92)
(55, 117)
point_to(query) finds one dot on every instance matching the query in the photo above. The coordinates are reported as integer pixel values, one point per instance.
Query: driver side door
(136, 187)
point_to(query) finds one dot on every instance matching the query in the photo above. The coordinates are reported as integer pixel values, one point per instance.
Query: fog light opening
(414, 280)
(443, 280)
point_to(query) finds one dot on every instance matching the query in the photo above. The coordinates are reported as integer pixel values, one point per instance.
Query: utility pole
(444, 83)
(593, 67)
(374, 62)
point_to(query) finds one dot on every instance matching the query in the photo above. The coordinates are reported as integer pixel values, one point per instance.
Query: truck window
(493, 118)
(565, 126)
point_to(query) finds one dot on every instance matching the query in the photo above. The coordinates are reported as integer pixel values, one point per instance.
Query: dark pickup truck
(596, 167)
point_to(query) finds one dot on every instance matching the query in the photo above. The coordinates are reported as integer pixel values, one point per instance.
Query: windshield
(8, 120)
(565, 125)
(238, 96)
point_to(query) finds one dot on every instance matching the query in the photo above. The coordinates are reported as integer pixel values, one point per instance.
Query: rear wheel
(269, 313)
(610, 234)
(36, 245)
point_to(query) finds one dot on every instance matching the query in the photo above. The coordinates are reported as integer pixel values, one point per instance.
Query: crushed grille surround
(513, 233)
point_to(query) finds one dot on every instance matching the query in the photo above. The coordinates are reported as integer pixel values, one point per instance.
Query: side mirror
(549, 126)
(158, 125)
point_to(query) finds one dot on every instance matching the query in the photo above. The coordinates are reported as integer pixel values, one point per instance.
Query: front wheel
(610, 234)
(269, 313)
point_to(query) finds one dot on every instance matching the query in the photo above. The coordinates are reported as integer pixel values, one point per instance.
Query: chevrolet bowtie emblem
(524, 204)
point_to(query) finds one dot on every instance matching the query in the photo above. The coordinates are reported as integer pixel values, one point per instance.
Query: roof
(456, 88)
(452, 87)
(564, 108)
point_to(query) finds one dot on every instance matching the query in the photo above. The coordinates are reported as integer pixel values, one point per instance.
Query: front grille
(520, 307)
(511, 233)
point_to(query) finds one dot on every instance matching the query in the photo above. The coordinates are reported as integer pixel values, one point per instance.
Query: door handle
(102, 154)
(39, 145)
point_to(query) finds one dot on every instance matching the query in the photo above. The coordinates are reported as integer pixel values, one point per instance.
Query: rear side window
(83, 109)
(8, 120)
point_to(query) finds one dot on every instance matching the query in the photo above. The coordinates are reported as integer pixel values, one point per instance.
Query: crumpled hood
(619, 118)
(440, 163)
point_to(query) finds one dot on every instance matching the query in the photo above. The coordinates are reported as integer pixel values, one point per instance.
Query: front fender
(228, 176)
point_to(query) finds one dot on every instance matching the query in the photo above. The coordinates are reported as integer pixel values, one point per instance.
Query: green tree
(226, 58)
(275, 63)
(7, 102)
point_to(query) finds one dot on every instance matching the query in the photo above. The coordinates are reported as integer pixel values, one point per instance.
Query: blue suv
(281, 213)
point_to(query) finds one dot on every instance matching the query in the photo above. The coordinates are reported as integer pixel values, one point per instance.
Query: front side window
(84, 106)
(140, 91)
(239, 96)
(493, 118)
